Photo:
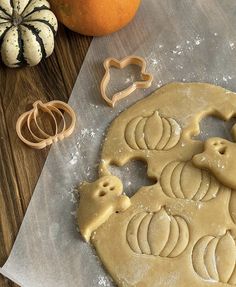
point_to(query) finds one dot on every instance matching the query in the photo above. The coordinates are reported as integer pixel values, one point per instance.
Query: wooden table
(20, 166)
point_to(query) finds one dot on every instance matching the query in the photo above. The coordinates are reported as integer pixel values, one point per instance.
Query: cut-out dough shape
(130, 60)
(98, 201)
(219, 157)
(152, 243)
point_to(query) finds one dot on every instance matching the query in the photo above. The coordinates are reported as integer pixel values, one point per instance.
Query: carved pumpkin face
(157, 238)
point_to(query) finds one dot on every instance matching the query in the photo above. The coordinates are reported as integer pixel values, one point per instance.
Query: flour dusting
(102, 281)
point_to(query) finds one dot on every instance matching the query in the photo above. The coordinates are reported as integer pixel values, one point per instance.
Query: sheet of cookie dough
(180, 231)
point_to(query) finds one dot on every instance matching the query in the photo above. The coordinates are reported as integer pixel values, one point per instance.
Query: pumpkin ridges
(175, 183)
(4, 16)
(36, 32)
(36, 9)
(153, 127)
(20, 56)
(46, 34)
(7, 20)
(34, 4)
(172, 239)
(42, 15)
(18, 7)
(32, 49)
(4, 33)
(209, 259)
(198, 253)
(165, 135)
(4, 22)
(6, 5)
(11, 3)
(5, 12)
(132, 232)
(9, 48)
(139, 134)
(175, 134)
(129, 135)
(142, 234)
(225, 255)
(165, 178)
(44, 22)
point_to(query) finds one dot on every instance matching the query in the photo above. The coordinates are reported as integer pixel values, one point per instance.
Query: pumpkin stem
(16, 18)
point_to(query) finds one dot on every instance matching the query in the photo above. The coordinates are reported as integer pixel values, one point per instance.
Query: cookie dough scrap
(181, 231)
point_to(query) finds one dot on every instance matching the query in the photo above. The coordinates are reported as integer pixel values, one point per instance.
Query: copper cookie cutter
(42, 138)
(130, 60)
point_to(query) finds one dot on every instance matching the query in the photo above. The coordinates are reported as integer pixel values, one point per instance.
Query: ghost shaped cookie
(219, 157)
(180, 231)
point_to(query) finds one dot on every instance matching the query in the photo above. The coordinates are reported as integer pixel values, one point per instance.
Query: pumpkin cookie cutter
(43, 139)
(120, 64)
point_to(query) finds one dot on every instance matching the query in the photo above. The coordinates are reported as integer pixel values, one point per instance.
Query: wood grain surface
(20, 166)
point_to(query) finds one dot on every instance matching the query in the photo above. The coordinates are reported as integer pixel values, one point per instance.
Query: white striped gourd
(27, 30)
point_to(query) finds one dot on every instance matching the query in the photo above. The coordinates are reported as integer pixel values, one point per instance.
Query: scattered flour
(74, 213)
(232, 45)
(72, 193)
(130, 79)
(102, 281)
(74, 158)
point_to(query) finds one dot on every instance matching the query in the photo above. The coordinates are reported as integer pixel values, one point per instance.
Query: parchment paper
(182, 40)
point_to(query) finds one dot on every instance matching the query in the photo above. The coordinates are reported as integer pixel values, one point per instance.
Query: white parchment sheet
(181, 40)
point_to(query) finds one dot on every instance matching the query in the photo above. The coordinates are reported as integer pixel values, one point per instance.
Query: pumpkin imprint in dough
(219, 158)
(212, 254)
(174, 181)
(172, 233)
(157, 233)
(152, 133)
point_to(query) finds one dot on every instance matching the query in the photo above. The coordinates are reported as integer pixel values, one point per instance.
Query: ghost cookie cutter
(40, 137)
(130, 60)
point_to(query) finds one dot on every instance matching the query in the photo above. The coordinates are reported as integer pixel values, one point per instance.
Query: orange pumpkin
(95, 17)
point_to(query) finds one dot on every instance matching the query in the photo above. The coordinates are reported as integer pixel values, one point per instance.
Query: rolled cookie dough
(179, 232)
